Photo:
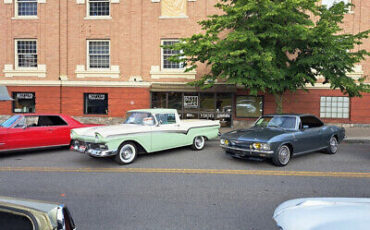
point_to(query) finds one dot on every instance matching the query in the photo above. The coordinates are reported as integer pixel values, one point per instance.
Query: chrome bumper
(247, 152)
(93, 152)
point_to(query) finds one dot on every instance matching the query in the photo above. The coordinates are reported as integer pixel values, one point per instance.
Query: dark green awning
(217, 88)
(4, 95)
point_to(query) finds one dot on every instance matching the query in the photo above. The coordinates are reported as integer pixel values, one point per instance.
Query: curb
(356, 141)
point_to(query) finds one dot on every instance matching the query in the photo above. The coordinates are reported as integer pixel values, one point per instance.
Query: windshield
(12, 120)
(284, 122)
(139, 118)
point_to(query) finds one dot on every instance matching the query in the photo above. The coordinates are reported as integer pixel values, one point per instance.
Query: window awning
(4, 95)
(219, 88)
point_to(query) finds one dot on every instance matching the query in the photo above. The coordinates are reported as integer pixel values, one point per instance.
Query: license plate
(82, 148)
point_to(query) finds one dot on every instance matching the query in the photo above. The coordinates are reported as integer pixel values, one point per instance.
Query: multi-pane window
(99, 57)
(24, 102)
(26, 55)
(330, 3)
(334, 107)
(166, 53)
(95, 103)
(98, 7)
(26, 8)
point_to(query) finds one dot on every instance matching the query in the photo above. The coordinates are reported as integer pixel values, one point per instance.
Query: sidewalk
(353, 134)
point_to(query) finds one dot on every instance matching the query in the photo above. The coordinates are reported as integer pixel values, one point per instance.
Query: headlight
(261, 146)
(222, 141)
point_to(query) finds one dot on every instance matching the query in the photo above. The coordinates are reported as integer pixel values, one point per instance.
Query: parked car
(29, 131)
(323, 214)
(147, 130)
(27, 214)
(281, 136)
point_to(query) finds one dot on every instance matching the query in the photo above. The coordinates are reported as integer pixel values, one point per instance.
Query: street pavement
(181, 188)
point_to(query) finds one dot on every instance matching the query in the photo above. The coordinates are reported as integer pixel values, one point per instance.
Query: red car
(28, 131)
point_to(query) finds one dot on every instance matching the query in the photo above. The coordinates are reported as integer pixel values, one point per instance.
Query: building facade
(101, 58)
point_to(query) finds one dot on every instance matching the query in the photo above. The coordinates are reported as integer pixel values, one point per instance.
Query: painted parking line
(190, 171)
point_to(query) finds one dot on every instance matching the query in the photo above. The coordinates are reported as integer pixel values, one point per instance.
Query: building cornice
(75, 83)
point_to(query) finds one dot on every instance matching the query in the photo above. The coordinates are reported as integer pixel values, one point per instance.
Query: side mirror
(305, 127)
(160, 122)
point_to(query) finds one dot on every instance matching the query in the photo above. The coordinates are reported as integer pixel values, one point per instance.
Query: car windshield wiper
(274, 126)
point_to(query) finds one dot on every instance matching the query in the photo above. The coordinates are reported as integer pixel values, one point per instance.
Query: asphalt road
(181, 189)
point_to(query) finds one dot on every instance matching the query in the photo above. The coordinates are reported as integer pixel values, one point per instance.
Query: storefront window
(207, 106)
(249, 106)
(191, 106)
(159, 100)
(224, 108)
(95, 103)
(24, 102)
(175, 101)
(194, 105)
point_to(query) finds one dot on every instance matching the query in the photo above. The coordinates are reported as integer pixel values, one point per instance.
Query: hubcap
(127, 153)
(199, 142)
(284, 155)
(333, 144)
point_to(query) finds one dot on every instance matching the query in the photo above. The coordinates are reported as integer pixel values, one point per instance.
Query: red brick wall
(120, 99)
(309, 102)
(47, 99)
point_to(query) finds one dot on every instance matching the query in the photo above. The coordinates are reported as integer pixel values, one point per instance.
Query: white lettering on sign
(25, 95)
(96, 96)
(190, 102)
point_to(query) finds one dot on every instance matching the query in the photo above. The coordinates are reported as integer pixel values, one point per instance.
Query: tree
(275, 46)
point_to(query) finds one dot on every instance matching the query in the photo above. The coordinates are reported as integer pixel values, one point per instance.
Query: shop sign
(190, 102)
(207, 115)
(25, 95)
(98, 97)
(223, 115)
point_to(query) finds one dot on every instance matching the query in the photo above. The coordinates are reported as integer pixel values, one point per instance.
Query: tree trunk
(279, 103)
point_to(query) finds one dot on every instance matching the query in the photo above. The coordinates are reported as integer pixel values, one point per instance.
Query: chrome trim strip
(38, 147)
(164, 131)
(247, 150)
(2, 143)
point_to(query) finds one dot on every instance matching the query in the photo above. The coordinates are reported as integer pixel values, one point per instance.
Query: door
(58, 129)
(310, 135)
(168, 133)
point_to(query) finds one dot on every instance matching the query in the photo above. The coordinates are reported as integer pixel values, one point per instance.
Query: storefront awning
(4, 95)
(221, 88)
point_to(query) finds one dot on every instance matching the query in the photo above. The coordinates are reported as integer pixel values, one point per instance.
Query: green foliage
(275, 46)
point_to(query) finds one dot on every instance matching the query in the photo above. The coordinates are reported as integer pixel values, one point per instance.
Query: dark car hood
(254, 134)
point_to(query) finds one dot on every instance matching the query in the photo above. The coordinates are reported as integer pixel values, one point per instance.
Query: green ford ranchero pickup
(146, 130)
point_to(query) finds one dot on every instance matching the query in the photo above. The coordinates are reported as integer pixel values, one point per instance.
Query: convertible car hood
(324, 213)
(254, 134)
(106, 131)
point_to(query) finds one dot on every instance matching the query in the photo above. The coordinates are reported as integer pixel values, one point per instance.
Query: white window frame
(88, 16)
(181, 69)
(16, 55)
(16, 12)
(88, 54)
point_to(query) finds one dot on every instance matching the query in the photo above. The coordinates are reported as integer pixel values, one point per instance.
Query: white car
(324, 214)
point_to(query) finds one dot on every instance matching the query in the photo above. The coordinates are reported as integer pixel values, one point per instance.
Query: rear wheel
(198, 143)
(127, 153)
(333, 145)
(282, 156)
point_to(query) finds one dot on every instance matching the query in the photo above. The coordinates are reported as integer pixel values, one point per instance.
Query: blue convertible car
(281, 136)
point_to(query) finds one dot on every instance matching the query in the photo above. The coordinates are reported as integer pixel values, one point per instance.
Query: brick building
(100, 58)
